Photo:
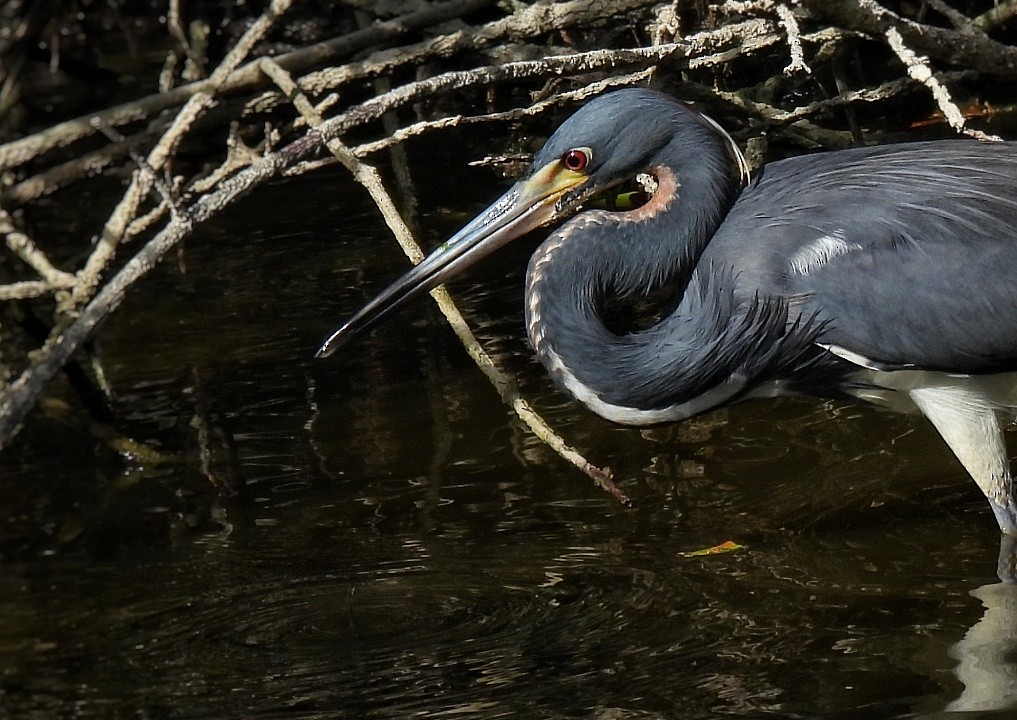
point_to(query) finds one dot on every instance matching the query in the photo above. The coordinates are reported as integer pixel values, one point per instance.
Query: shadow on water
(381, 539)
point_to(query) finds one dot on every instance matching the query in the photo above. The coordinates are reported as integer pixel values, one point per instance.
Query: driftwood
(788, 71)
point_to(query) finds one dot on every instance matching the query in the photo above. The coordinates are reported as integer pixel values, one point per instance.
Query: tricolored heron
(883, 273)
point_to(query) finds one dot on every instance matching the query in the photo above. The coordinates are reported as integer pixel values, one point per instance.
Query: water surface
(375, 536)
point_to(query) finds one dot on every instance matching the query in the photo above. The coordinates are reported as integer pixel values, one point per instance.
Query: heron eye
(576, 159)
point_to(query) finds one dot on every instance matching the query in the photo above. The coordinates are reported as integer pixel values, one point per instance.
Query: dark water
(375, 536)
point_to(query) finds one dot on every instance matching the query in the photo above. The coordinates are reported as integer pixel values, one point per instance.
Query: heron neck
(691, 360)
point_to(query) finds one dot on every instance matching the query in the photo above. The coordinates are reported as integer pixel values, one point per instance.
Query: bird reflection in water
(985, 655)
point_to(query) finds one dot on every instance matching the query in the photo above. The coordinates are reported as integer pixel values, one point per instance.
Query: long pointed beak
(528, 204)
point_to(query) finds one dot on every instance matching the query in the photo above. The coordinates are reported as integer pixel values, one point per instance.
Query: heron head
(604, 144)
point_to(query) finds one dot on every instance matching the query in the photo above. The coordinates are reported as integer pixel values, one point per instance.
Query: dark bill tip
(527, 205)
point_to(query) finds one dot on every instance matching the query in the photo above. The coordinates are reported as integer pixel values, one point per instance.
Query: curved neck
(695, 358)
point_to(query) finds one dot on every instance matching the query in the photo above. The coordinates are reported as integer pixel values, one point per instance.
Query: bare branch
(1001, 11)
(22, 245)
(920, 71)
(368, 177)
(794, 40)
(244, 79)
(970, 50)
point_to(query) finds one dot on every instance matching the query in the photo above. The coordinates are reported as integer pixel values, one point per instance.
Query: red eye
(575, 160)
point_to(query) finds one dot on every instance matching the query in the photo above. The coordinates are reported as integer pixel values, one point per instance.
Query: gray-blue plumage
(884, 273)
(913, 258)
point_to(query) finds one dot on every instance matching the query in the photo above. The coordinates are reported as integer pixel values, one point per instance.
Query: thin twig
(537, 108)
(959, 20)
(919, 70)
(81, 167)
(144, 178)
(22, 245)
(964, 49)
(26, 290)
(757, 34)
(794, 41)
(247, 78)
(999, 13)
(369, 178)
(529, 21)
(18, 397)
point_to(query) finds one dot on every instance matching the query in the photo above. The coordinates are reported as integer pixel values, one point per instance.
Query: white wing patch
(851, 356)
(821, 251)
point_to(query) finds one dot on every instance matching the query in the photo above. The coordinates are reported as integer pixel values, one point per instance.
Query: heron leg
(970, 425)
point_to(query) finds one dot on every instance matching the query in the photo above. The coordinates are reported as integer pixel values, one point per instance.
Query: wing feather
(928, 273)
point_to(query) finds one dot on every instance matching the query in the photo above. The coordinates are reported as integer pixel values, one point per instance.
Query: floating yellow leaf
(724, 547)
